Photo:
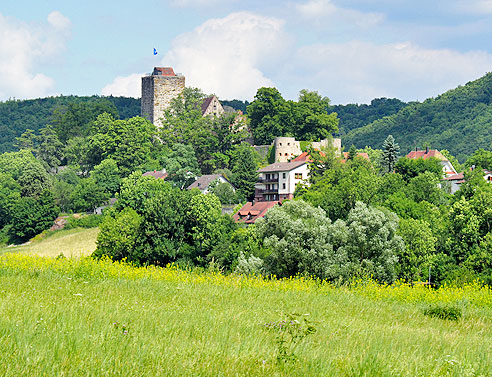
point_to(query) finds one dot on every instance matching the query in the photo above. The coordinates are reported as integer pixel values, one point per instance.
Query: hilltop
(459, 120)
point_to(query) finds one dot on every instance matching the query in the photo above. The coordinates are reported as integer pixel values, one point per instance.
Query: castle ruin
(159, 88)
(287, 148)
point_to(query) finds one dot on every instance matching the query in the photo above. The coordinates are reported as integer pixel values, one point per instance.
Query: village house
(278, 181)
(204, 182)
(211, 106)
(253, 211)
(447, 167)
(158, 174)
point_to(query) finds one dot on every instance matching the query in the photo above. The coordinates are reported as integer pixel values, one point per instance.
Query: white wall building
(278, 181)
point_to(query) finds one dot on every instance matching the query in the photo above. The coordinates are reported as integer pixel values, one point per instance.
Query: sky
(350, 51)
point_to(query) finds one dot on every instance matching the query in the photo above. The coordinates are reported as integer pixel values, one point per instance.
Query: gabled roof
(252, 211)
(156, 174)
(163, 71)
(281, 166)
(205, 180)
(426, 154)
(206, 103)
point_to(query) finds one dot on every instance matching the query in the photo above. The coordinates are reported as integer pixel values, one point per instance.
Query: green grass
(57, 318)
(72, 243)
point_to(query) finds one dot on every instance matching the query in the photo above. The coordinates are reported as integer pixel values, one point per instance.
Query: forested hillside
(459, 120)
(354, 116)
(16, 116)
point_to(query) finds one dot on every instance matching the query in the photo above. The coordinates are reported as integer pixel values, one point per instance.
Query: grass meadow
(72, 243)
(79, 317)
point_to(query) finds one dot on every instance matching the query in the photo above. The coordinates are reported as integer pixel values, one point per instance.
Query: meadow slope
(80, 317)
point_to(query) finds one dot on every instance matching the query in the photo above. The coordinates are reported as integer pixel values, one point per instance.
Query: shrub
(85, 221)
(449, 312)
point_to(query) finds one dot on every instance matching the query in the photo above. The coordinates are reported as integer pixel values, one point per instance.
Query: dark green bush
(449, 312)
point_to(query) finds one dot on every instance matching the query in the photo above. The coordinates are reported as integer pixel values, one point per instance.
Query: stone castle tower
(158, 89)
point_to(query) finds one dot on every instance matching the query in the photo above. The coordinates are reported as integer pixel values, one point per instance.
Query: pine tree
(352, 153)
(390, 153)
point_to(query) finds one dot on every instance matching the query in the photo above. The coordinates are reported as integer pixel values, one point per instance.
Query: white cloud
(23, 47)
(127, 86)
(325, 13)
(59, 21)
(481, 7)
(360, 71)
(225, 56)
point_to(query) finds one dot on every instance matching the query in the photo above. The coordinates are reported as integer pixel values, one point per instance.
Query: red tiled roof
(252, 211)
(156, 174)
(163, 71)
(424, 154)
(359, 154)
(304, 156)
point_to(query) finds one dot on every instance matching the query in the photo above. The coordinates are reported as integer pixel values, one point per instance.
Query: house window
(283, 175)
(280, 144)
(298, 176)
(288, 143)
(283, 186)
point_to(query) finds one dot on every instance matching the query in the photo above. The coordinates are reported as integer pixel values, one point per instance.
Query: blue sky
(350, 51)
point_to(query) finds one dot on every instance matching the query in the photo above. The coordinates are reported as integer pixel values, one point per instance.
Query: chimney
(426, 149)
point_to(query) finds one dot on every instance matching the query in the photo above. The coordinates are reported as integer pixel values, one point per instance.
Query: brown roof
(203, 181)
(281, 166)
(252, 211)
(156, 174)
(455, 177)
(163, 71)
(206, 103)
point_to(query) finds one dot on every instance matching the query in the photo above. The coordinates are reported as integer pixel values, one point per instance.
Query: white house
(278, 181)
(203, 183)
(447, 168)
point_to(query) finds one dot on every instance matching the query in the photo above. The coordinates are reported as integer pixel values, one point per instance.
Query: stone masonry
(287, 148)
(158, 90)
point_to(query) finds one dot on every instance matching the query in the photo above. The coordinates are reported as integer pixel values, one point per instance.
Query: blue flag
(155, 51)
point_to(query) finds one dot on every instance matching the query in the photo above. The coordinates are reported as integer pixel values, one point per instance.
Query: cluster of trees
(307, 119)
(458, 120)
(389, 218)
(77, 162)
(156, 222)
(16, 116)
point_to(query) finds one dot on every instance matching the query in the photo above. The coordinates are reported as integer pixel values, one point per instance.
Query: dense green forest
(459, 120)
(16, 116)
(354, 116)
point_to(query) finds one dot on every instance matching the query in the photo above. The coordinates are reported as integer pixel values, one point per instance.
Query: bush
(452, 313)
(84, 221)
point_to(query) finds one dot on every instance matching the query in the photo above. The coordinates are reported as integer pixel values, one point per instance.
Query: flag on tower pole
(155, 51)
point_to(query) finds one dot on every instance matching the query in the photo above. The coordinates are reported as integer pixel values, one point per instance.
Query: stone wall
(157, 94)
(286, 148)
